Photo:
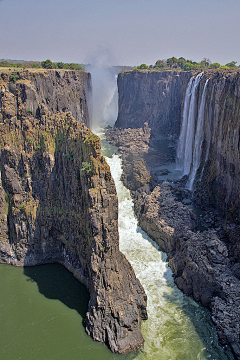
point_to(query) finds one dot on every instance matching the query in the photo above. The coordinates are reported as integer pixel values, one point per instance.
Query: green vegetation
(86, 167)
(186, 64)
(23, 206)
(142, 66)
(47, 64)
(14, 77)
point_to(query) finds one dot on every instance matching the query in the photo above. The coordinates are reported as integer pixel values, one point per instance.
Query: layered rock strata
(200, 262)
(58, 203)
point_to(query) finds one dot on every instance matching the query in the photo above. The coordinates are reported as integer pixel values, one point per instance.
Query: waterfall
(191, 128)
(183, 134)
(190, 140)
(198, 139)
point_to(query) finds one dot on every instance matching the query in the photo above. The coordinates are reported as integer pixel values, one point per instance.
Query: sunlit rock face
(58, 201)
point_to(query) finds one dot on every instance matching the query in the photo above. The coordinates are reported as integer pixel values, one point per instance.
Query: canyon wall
(157, 97)
(58, 201)
(43, 91)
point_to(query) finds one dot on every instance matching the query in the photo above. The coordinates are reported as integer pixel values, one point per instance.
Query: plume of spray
(104, 102)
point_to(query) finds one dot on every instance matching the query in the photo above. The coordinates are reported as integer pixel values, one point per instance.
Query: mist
(104, 101)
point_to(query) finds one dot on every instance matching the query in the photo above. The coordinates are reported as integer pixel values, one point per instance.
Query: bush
(214, 66)
(232, 64)
(86, 167)
(14, 77)
(47, 64)
(188, 66)
(36, 65)
(225, 67)
(142, 66)
(159, 64)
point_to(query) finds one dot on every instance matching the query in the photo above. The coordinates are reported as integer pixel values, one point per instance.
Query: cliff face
(41, 91)
(158, 99)
(58, 202)
(217, 179)
(154, 97)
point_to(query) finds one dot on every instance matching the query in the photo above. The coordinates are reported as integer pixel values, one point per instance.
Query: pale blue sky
(120, 32)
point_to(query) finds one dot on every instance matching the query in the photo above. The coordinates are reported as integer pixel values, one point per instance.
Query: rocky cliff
(217, 179)
(39, 91)
(155, 97)
(151, 108)
(58, 201)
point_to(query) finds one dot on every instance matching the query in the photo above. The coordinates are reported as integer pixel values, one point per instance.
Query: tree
(232, 64)
(159, 64)
(60, 65)
(172, 62)
(181, 62)
(205, 62)
(47, 64)
(142, 66)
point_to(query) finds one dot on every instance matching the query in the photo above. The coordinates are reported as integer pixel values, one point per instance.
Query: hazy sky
(122, 32)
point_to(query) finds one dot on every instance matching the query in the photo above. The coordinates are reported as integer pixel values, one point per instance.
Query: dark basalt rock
(58, 203)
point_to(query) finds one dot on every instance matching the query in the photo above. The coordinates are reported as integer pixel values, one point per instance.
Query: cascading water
(198, 139)
(183, 134)
(190, 128)
(189, 149)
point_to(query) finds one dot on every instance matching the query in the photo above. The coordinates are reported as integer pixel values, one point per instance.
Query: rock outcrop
(58, 203)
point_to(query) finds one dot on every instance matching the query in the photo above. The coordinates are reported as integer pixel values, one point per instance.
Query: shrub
(188, 66)
(14, 77)
(225, 67)
(86, 167)
(214, 66)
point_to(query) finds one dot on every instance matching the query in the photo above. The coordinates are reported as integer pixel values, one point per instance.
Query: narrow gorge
(183, 128)
(175, 146)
